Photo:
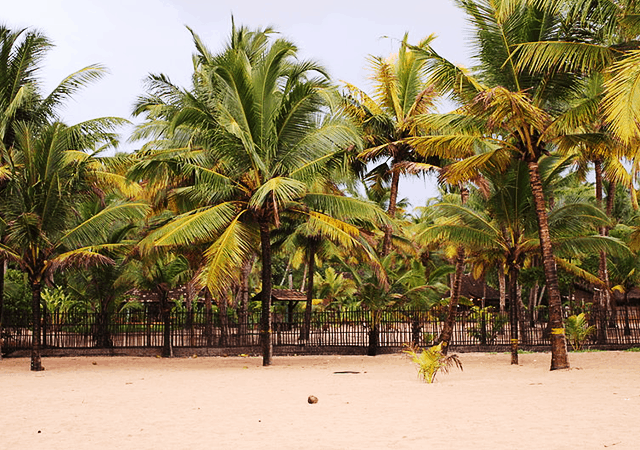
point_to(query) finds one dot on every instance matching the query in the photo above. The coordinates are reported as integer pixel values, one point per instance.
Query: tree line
(265, 169)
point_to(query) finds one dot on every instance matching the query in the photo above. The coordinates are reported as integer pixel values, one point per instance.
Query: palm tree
(599, 38)
(600, 42)
(21, 53)
(160, 273)
(267, 133)
(387, 117)
(501, 230)
(47, 179)
(100, 287)
(316, 242)
(507, 118)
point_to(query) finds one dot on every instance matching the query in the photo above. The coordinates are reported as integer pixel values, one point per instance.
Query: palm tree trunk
(306, 327)
(627, 327)
(104, 336)
(559, 357)
(522, 316)
(374, 333)
(224, 321)
(393, 199)
(502, 286)
(167, 345)
(265, 325)
(36, 361)
(208, 316)
(513, 313)
(610, 300)
(189, 325)
(601, 297)
(243, 301)
(447, 329)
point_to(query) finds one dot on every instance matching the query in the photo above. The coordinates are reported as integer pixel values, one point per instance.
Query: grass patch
(588, 350)
(633, 349)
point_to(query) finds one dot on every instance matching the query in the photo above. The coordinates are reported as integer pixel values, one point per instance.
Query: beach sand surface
(363, 403)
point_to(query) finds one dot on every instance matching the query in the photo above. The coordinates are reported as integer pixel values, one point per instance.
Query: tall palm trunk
(447, 329)
(306, 327)
(393, 199)
(36, 299)
(502, 286)
(265, 320)
(611, 194)
(514, 308)
(559, 357)
(243, 301)
(601, 297)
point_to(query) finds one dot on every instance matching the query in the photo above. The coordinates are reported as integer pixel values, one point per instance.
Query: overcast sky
(133, 38)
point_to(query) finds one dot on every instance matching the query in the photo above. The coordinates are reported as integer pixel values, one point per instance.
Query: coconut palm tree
(600, 38)
(21, 100)
(599, 43)
(271, 142)
(501, 229)
(47, 179)
(507, 118)
(387, 118)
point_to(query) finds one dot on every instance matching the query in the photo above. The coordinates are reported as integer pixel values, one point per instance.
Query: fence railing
(387, 329)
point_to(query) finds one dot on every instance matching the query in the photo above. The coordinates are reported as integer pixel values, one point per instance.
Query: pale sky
(133, 38)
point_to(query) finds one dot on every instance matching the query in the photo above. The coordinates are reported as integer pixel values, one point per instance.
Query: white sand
(235, 403)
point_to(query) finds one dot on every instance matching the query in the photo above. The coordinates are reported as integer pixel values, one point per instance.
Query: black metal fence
(330, 329)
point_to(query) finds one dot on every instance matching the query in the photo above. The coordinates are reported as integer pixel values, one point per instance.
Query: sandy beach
(235, 403)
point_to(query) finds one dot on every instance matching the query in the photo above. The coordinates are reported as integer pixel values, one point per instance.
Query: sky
(134, 38)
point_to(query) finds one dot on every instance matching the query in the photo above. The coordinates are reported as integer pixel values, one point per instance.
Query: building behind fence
(331, 331)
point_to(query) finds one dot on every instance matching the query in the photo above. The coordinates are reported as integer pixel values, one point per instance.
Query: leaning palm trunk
(559, 358)
(265, 319)
(447, 329)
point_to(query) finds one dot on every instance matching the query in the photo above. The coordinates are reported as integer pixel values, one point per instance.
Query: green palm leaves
(268, 147)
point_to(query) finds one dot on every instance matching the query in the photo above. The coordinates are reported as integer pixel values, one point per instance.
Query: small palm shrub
(432, 360)
(578, 330)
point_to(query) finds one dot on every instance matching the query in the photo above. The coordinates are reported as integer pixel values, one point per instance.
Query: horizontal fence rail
(366, 329)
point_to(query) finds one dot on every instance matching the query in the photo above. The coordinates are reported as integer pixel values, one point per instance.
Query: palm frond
(225, 257)
(200, 225)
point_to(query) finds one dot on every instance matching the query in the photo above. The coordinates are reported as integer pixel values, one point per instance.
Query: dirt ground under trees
(363, 403)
